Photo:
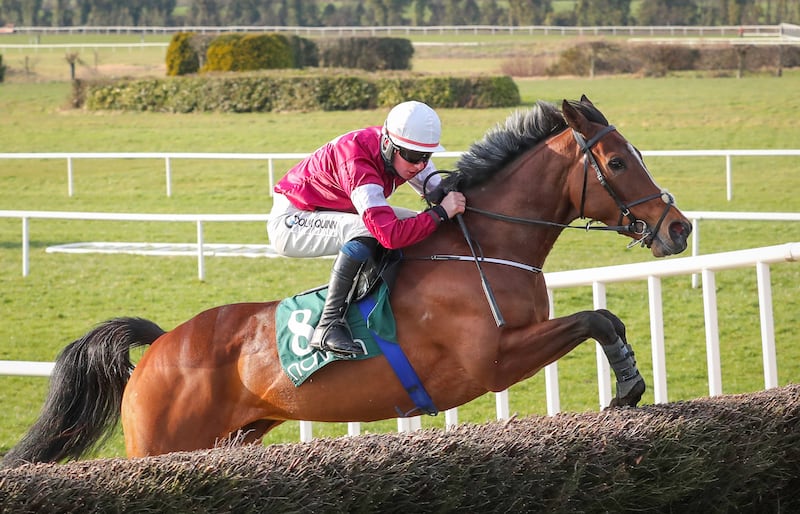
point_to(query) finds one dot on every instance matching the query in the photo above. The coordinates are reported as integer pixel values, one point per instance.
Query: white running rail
(200, 219)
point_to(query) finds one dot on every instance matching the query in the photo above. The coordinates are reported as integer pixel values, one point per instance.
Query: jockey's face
(406, 169)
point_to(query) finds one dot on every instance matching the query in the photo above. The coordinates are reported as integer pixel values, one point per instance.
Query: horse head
(610, 183)
(548, 167)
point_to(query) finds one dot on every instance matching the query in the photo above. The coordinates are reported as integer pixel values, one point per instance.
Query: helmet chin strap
(387, 152)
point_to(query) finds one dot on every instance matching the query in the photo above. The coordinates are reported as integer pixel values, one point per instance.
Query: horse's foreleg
(527, 350)
(630, 384)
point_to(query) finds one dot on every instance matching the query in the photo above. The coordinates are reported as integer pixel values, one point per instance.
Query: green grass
(67, 294)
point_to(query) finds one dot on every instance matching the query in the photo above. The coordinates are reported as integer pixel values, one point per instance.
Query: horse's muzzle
(678, 232)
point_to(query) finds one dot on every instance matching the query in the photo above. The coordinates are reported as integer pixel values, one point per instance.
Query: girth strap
(402, 368)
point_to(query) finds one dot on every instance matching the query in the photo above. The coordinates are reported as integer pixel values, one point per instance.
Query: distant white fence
(201, 250)
(197, 219)
(598, 278)
(26, 368)
(408, 30)
(697, 216)
(270, 159)
(167, 157)
(78, 46)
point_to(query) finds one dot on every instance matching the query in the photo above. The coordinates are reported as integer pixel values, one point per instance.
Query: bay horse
(217, 377)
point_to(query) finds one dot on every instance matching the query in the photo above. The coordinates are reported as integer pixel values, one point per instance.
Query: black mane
(505, 142)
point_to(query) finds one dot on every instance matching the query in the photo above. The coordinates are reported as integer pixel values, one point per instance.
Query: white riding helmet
(414, 125)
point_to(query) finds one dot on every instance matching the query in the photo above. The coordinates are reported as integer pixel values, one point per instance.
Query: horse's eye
(616, 164)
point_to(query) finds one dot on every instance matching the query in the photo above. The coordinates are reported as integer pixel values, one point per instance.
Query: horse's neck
(534, 188)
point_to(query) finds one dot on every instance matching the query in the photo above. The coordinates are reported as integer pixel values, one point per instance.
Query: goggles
(410, 156)
(413, 156)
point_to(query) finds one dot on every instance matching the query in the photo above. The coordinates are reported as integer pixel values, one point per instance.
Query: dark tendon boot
(332, 333)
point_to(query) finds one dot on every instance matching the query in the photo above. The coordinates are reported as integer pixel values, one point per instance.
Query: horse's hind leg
(630, 384)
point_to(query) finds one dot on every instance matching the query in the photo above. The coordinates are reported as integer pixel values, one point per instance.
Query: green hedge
(237, 52)
(266, 92)
(181, 57)
(367, 53)
(189, 53)
(473, 92)
(304, 51)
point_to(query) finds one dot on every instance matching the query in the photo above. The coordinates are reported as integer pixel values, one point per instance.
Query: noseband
(636, 226)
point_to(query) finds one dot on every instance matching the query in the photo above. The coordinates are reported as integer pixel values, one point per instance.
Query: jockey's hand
(454, 203)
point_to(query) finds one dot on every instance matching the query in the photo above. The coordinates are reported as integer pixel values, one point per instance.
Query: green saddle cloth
(297, 316)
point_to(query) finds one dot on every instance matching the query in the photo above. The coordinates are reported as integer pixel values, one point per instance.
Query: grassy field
(67, 294)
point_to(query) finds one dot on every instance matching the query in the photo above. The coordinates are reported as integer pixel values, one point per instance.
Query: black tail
(85, 395)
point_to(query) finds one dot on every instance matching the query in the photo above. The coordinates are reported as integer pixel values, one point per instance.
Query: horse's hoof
(631, 399)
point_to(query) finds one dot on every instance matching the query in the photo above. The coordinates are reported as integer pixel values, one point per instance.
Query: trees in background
(87, 12)
(675, 12)
(395, 12)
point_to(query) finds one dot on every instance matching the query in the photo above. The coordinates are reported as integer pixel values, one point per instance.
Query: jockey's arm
(382, 222)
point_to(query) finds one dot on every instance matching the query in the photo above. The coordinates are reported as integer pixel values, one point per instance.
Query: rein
(528, 221)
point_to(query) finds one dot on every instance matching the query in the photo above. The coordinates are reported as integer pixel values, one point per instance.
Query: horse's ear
(575, 119)
(585, 100)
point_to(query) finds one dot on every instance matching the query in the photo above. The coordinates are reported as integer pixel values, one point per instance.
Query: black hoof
(632, 398)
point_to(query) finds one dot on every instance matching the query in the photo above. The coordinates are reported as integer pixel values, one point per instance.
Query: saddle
(382, 266)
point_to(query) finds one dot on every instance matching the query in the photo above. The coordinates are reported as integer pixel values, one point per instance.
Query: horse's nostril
(679, 229)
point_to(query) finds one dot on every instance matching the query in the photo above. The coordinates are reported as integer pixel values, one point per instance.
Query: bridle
(636, 226)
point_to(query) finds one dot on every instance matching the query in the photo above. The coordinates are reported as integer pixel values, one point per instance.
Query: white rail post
(168, 165)
(603, 368)
(551, 373)
(201, 268)
(712, 333)
(271, 175)
(657, 339)
(409, 424)
(767, 326)
(501, 405)
(695, 246)
(26, 267)
(353, 428)
(306, 434)
(70, 188)
(729, 176)
(551, 388)
(450, 418)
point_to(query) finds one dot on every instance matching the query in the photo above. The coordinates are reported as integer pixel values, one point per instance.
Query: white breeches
(297, 233)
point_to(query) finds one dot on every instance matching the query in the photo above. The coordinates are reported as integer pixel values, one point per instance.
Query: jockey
(334, 202)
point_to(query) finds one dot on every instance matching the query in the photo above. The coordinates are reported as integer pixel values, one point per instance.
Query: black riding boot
(332, 333)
